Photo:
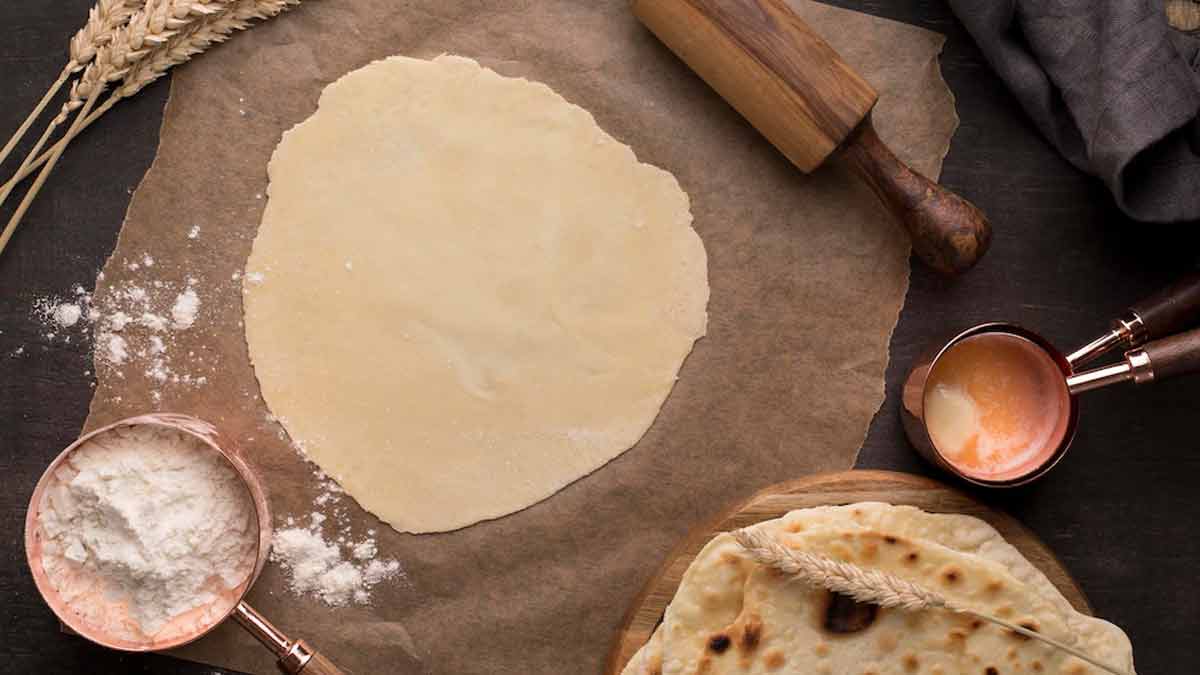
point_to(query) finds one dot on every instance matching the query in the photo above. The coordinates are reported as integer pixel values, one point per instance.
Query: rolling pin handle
(948, 233)
(1174, 309)
(1173, 356)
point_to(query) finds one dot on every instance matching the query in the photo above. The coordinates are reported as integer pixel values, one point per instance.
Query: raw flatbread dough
(464, 294)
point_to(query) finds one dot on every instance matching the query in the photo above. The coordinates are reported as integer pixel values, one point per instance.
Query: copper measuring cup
(1148, 331)
(295, 656)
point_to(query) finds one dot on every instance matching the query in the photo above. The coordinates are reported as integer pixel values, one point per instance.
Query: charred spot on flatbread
(751, 634)
(950, 575)
(870, 552)
(719, 643)
(844, 615)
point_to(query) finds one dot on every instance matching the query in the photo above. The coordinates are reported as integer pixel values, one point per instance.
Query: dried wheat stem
(187, 28)
(216, 29)
(41, 179)
(37, 112)
(103, 20)
(26, 165)
(109, 62)
(873, 586)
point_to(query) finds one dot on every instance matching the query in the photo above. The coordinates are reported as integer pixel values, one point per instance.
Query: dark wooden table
(1121, 511)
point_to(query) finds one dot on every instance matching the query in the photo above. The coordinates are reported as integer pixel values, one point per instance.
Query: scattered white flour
(364, 550)
(117, 349)
(187, 304)
(154, 322)
(255, 277)
(133, 325)
(67, 314)
(147, 523)
(194, 232)
(118, 320)
(338, 570)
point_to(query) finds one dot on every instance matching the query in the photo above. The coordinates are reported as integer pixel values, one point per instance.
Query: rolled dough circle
(464, 294)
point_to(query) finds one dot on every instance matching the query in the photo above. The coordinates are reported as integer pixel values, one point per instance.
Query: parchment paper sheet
(807, 274)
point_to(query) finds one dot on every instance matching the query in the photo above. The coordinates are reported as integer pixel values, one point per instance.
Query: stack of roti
(731, 615)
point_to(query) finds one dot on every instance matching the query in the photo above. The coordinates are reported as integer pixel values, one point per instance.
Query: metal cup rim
(924, 443)
(196, 428)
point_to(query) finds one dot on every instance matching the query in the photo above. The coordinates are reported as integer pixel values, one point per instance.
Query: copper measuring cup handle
(295, 656)
(1158, 360)
(1169, 311)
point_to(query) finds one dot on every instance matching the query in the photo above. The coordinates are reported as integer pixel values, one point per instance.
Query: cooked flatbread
(648, 659)
(794, 629)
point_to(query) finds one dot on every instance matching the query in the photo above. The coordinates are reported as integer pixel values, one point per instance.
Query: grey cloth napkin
(1111, 85)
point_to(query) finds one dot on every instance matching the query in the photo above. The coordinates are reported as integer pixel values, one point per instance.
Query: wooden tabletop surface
(1120, 511)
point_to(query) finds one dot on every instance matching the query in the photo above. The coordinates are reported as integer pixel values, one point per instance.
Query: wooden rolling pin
(795, 89)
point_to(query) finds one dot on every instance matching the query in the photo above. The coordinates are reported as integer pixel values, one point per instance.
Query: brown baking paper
(807, 273)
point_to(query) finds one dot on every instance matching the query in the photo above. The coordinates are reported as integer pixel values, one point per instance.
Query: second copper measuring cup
(1155, 349)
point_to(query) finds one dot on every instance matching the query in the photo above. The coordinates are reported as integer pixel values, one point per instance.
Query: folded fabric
(1111, 85)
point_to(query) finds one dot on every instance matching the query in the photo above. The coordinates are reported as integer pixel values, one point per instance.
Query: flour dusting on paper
(133, 328)
(323, 559)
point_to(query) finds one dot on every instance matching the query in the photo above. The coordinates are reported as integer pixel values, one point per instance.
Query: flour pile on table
(339, 569)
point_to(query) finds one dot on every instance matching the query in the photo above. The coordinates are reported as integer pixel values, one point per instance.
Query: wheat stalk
(156, 26)
(109, 62)
(874, 587)
(217, 29)
(181, 29)
(111, 56)
(104, 18)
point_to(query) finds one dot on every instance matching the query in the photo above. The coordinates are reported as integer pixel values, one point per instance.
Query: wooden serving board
(845, 487)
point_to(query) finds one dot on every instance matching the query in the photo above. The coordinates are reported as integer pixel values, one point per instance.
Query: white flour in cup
(148, 533)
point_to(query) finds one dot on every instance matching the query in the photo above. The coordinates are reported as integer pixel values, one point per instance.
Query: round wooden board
(845, 487)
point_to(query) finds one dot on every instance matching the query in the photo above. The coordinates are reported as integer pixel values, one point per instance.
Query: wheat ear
(875, 587)
(131, 34)
(212, 30)
(184, 39)
(104, 18)
(109, 62)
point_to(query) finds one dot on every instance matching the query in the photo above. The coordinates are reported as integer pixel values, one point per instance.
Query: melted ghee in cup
(996, 406)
